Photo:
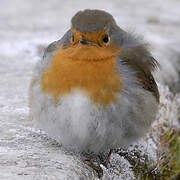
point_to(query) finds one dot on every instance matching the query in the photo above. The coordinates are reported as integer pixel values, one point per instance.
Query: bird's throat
(88, 52)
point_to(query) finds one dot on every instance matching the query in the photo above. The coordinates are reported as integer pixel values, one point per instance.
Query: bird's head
(92, 36)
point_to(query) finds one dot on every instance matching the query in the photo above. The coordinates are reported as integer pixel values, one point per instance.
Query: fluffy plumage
(76, 119)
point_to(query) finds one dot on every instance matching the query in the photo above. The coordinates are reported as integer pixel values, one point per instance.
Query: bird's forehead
(92, 20)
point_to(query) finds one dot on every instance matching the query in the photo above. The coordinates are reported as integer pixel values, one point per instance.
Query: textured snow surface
(26, 27)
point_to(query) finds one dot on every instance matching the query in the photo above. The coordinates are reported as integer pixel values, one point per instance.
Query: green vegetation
(167, 165)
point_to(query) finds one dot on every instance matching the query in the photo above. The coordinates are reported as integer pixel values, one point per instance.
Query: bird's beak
(84, 41)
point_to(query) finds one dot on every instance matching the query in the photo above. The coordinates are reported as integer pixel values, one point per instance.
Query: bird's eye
(72, 38)
(106, 38)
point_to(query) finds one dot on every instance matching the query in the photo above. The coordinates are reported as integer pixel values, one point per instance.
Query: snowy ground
(28, 26)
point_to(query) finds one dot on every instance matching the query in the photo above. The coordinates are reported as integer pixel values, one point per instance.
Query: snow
(26, 27)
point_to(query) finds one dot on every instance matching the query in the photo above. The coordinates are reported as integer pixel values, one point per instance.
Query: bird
(93, 90)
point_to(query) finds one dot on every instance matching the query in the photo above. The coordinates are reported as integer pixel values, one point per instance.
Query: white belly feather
(80, 125)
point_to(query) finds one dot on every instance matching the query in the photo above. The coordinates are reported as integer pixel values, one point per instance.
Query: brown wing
(139, 59)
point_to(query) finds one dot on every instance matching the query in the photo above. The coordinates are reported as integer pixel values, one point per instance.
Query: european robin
(94, 90)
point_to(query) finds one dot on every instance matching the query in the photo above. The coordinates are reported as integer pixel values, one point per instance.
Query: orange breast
(99, 79)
